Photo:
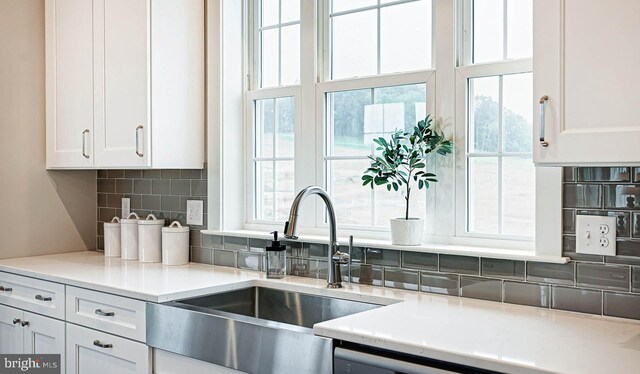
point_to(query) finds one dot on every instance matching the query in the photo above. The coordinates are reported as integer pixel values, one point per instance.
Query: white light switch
(596, 235)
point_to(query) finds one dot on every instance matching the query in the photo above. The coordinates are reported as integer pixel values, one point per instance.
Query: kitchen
(523, 256)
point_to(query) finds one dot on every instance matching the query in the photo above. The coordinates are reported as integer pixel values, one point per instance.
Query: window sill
(487, 252)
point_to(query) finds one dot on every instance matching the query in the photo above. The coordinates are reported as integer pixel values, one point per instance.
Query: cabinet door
(586, 62)
(122, 66)
(43, 335)
(94, 352)
(69, 86)
(11, 337)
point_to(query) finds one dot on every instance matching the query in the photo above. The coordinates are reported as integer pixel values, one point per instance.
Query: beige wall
(41, 212)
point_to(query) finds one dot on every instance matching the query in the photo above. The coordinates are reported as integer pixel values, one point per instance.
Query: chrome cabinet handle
(102, 345)
(41, 298)
(7, 289)
(16, 321)
(138, 152)
(105, 314)
(84, 143)
(24, 323)
(543, 100)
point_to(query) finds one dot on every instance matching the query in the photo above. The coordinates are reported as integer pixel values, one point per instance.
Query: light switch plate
(596, 235)
(126, 207)
(194, 212)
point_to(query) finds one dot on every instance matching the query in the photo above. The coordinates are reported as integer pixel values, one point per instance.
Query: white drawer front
(31, 294)
(113, 314)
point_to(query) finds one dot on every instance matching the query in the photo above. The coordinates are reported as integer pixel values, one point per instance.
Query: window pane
(274, 189)
(270, 10)
(290, 55)
(484, 114)
(518, 200)
(346, 117)
(265, 196)
(354, 45)
(488, 29)
(352, 200)
(285, 125)
(270, 49)
(405, 37)
(344, 5)
(519, 28)
(265, 124)
(290, 11)
(517, 115)
(403, 106)
(483, 196)
(391, 204)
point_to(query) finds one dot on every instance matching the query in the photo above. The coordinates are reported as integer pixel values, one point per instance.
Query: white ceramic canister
(129, 237)
(149, 238)
(175, 244)
(112, 238)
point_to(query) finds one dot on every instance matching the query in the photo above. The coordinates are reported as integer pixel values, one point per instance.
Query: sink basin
(254, 330)
(288, 307)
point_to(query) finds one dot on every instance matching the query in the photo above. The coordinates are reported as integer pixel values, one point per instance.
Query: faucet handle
(340, 258)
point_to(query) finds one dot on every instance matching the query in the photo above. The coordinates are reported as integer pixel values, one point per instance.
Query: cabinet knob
(16, 321)
(102, 345)
(43, 298)
(24, 323)
(105, 314)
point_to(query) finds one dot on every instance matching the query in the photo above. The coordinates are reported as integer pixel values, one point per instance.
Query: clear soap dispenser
(276, 259)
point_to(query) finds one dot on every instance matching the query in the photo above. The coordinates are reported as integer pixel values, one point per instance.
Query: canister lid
(129, 219)
(115, 222)
(175, 226)
(151, 220)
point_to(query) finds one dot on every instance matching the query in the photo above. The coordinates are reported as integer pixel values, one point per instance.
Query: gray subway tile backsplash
(604, 174)
(576, 299)
(622, 196)
(460, 264)
(420, 260)
(608, 277)
(622, 305)
(382, 257)
(635, 281)
(509, 269)
(250, 261)
(400, 278)
(446, 284)
(551, 273)
(224, 258)
(531, 294)
(202, 255)
(582, 196)
(236, 243)
(481, 288)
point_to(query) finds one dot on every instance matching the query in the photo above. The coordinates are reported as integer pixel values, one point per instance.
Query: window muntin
(364, 37)
(278, 35)
(354, 119)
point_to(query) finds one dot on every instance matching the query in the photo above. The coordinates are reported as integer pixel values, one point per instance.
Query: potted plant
(401, 165)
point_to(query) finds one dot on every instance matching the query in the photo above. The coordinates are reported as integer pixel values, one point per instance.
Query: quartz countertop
(489, 335)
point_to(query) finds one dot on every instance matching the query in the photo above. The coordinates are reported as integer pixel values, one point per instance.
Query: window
(325, 77)
(496, 78)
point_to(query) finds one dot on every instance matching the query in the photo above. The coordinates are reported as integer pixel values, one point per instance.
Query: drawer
(31, 294)
(113, 314)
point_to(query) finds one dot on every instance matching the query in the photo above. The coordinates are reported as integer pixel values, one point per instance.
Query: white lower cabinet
(171, 363)
(28, 333)
(94, 352)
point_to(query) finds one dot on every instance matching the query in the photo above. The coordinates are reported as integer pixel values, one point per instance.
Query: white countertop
(494, 336)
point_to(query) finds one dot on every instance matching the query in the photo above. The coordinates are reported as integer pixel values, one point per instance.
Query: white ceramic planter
(406, 232)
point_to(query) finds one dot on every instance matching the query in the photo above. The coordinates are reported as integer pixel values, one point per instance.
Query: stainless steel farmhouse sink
(255, 329)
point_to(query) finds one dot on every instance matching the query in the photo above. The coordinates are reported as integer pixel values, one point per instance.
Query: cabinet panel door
(11, 337)
(44, 335)
(122, 88)
(94, 352)
(585, 60)
(69, 86)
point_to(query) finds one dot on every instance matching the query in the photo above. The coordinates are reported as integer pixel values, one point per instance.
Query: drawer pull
(24, 323)
(16, 321)
(105, 314)
(102, 345)
(7, 289)
(41, 298)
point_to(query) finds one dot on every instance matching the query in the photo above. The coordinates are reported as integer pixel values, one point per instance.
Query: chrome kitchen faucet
(336, 258)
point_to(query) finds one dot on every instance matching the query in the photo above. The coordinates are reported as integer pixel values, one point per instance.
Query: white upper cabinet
(125, 83)
(586, 58)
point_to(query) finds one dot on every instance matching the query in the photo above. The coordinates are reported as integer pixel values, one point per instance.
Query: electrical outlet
(596, 235)
(126, 206)
(194, 212)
